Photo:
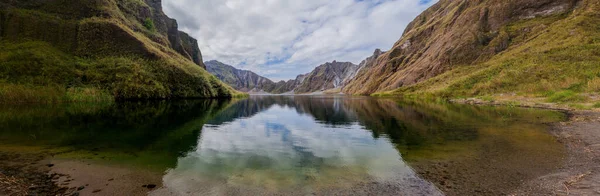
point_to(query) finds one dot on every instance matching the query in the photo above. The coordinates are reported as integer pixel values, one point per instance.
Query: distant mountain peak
(242, 80)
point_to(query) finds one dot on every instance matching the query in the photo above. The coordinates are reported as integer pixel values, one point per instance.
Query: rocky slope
(241, 80)
(288, 86)
(367, 62)
(465, 48)
(327, 76)
(57, 50)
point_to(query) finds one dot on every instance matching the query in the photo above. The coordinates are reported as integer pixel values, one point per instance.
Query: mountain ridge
(242, 80)
(328, 76)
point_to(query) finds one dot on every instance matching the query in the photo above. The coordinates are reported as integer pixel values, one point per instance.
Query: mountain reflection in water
(346, 145)
(300, 145)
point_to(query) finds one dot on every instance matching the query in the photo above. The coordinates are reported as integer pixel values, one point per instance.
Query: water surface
(302, 145)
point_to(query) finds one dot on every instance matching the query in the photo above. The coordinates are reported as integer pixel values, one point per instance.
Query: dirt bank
(580, 174)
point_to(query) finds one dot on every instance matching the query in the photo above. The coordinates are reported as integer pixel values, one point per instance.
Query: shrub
(149, 24)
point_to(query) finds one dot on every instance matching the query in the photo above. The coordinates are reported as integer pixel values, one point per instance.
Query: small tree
(149, 24)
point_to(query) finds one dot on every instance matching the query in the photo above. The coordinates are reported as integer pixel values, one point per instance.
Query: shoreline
(36, 171)
(580, 135)
(580, 174)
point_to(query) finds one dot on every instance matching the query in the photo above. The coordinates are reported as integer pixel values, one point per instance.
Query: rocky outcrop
(189, 46)
(179, 41)
(241, 80)
(365, 64)
(327, 76)
(451, 33)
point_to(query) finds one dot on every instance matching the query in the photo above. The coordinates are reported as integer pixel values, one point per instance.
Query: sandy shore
(35, 172)
(580, 174)
(89, 178)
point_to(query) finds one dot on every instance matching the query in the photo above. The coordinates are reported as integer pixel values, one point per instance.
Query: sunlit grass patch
(566, 96)
(579, 106)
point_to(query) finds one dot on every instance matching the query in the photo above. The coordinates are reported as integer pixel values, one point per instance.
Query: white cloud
(283, 38)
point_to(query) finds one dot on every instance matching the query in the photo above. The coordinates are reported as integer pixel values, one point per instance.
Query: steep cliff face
(327, 76)
(288, 86)
(127, 48)
(179, 41)
(241, 80)
(364, 64)
(454, 34)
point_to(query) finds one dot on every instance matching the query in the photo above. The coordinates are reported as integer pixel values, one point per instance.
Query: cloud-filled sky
(280, 39)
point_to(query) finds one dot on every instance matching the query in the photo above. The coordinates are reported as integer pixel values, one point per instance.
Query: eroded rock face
(324, 77)
(327, 76)
(365, 64)
(179, 41)
(241, 80)
(288, 86)
(449, 34)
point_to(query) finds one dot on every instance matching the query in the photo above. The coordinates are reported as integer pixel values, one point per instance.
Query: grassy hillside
(553, 58)
(97, 50)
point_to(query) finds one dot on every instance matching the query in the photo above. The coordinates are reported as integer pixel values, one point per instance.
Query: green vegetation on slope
(557, 57)
(64, 51)
(52, 76)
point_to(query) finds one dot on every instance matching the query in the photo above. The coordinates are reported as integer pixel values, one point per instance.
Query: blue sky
(280, 39)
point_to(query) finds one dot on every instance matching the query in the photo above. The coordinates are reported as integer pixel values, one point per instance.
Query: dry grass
(593, 85)
(558, 58)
